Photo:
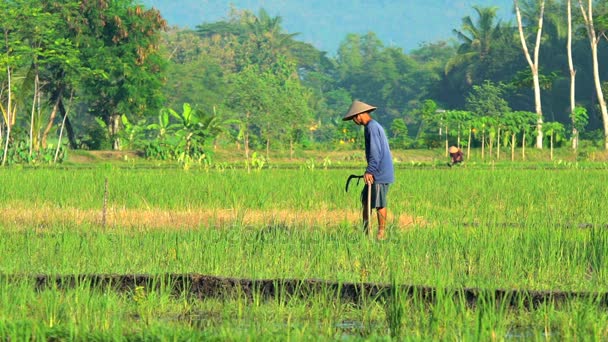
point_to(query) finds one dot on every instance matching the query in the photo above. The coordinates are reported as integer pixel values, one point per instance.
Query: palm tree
(469, 64)
(267, 36)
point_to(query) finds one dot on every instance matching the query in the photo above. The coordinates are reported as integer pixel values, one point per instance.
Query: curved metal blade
(350, 178)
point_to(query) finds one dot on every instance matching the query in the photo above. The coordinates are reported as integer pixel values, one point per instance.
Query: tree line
(103, 74)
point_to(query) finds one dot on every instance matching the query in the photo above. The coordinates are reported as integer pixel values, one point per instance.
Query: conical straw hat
(453, 149)
(357, 107)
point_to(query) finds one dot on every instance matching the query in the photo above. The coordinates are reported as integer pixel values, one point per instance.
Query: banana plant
(527, 125)
(555, 130)
(479, 129)
(459, 121)
(189, 134)
(133, 133)
(484, 126)
(212, 125)
(193, 129)
(161, 128)
(580, 119)
(511, 126)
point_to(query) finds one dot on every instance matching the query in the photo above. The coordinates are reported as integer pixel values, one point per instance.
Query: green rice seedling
(492, 317)
(109, 315)
(395, 310)
(504, 228)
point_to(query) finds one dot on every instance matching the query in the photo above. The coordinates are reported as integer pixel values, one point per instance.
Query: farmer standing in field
(379, 172)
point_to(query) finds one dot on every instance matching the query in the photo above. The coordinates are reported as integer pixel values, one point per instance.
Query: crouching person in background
(456, 156)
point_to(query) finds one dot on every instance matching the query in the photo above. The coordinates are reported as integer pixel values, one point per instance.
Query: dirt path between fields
(146, 219)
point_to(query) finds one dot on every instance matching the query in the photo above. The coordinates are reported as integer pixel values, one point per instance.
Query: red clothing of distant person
(456, 155)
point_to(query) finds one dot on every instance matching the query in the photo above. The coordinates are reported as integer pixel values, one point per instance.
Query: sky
(325, 23)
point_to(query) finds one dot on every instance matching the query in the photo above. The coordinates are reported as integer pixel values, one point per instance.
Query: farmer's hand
(369, 178)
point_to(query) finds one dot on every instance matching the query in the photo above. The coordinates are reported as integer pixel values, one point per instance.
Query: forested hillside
(324, 24)
(114, 74)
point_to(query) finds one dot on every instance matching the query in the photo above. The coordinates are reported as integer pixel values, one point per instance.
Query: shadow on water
(204, 286)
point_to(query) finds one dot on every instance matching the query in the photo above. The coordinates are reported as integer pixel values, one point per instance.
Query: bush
(19, 153)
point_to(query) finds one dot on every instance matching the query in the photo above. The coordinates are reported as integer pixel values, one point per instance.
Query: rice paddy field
(137, 254)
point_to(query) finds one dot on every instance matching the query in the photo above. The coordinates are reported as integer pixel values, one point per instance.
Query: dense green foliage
(98, 57)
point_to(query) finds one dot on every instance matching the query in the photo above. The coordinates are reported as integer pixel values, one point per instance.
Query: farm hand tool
(369, 200)
(351, 178)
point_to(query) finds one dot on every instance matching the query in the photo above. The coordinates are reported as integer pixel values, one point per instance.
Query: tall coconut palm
(261, 40)
(469, 65)
(265, 36)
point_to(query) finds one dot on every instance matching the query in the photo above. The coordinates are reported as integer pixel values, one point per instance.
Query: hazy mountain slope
(325, 23)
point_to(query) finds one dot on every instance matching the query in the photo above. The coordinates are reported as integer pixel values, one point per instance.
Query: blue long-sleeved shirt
(378, 153)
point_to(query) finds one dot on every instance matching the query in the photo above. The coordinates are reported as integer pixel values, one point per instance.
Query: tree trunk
(114, 128)
(57, 96)
(59, 139)
(267, 142)
(534, 67)
(469, 145)
(8, 137)
(49, 125)
(446, 142)
(68, 126)
(483, 145)
(594, 40)
(35, 100)
(551, 143)
(63, 125)
(539, 112)
(491, 144)
(512, 146)
(8, 116)
(523, 147)
(246, 138)
(572, 79)
(7, 112)
(267, 148)
(498, 145)
(246, 143)
(420, 130)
